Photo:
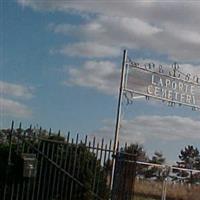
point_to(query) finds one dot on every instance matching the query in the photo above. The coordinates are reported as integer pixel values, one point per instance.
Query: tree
(155, 172)
(190, 159)
(84, 172)
(127, 169)
(135, 150)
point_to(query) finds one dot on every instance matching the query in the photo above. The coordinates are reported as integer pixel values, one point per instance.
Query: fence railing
(45, 166)
(48, 166)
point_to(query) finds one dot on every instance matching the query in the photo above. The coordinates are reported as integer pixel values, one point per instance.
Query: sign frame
(174, 74)
(176, 79)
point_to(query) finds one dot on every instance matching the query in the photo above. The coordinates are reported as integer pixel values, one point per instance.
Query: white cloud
(186, 35)
(77, 30)
(102, 76)
(15, 90)
(114, 31)
(12, 108)
(130, 25)
(192, 69)
(133, 33)
(144, 128)
(101, 24)
(89, 50)
(169, 27)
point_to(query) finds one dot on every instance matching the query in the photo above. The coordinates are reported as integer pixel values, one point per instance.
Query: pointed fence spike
(20, 125)
(59, 133)
(68, 136)
(77, 137)
(12, 125)
(50, 132)
(86, 137)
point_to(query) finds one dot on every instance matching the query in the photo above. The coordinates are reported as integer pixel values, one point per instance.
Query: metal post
(117, 127)
(10, 144)
(164, 189)
(5, 188)
(165, 175)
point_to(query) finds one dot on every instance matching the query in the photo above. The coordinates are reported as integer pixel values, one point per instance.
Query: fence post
(165, 175)
(118, 119)
(10, 144)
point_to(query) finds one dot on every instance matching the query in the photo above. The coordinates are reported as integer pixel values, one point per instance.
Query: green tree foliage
(190, 159)
(155, 172)
(135, 150)
(3, 158)
(85, 167)
(127, 169)
(77, 160)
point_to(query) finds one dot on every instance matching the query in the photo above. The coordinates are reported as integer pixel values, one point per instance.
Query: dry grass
(151, 190)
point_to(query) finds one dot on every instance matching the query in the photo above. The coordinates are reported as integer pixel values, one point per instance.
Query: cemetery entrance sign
(167, 84)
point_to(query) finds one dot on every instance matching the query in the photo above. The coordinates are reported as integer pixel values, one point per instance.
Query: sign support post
(118, 118)
(153, 81)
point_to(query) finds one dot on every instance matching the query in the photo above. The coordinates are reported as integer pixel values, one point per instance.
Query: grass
(152, 190)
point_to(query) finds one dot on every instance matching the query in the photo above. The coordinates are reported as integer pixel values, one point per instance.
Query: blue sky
(60, 64)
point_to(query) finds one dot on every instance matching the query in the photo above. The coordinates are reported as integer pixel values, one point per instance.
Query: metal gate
(39, 165)
(44, 166)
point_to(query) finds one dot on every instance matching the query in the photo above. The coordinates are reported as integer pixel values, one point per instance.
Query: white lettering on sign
(174, 90)
(162, 86)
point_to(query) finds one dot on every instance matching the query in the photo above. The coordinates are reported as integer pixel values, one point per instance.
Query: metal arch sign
(167, 84)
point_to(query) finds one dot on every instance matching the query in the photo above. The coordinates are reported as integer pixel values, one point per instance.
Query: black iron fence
(38, 165)
(137, 179)
(45, 166)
